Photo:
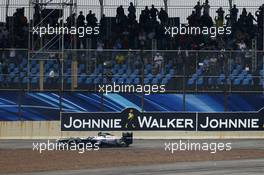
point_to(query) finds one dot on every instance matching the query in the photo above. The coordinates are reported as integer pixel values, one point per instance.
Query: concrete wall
(51, 130)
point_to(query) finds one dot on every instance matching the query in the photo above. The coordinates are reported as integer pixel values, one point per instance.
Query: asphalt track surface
(230, 167)
(139, 144)
(238, 167)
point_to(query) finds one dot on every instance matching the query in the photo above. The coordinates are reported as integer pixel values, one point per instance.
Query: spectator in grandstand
(91, 19)
(120, 58)
(206, 21)
(206, 8)
(131, 17)
(81, 23)
(153, 12)
(158, 62)
(242, 21)
(131, 8)
(146, 13)
(240, 56)
(163, 17)
(81, 20)
(70, 21)
(220, 18)
(37, 15)
(103, 26)
(193, 19)
(51, 78)
(20, 18)
(108, 74)
(198, 9)
(250, 28)
(94, 20)
(250, 19)
(241, 45)
(121, 18)
(120, 11)
(233, 15)
(259, 15)
(142, 18)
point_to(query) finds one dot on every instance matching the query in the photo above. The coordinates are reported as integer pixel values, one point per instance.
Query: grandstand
(69, 63)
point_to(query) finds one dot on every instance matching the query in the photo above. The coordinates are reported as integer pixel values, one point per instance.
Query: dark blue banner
(131, 119)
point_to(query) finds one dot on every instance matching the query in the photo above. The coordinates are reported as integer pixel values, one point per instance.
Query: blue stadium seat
(235, 72)
(114, 71)
(261, 82)
(200, 81)
(168, 76)
(105, 80)
(149, 76)
(237, 81)
(97, 80)
(146, 80)
(34, 80)
(247, 82)
(22, 74)
(155, 81)
(25, 80)
(121, 71)
(172, 71)
(12, 66)
(159, 76)
(249, 76)
(12, 75)
(190, 82)
(129, 80)
(16, 80)
(89, 80)
(81, 66)
(120, 80)
(136, 71)
(124, 66)
(238, 67)
(114, 80)
(133, 75)
(164, 81)
(68, 80)
(194, 76)
(261, 72)
(148, 66)
(136, 81)
(199, 72)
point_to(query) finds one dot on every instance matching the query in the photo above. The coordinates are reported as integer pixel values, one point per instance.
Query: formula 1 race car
(103, 140)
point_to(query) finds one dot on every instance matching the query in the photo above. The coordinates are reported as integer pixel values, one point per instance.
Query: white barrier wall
(51, 130)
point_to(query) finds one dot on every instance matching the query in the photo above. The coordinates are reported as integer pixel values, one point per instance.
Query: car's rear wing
(127, 137)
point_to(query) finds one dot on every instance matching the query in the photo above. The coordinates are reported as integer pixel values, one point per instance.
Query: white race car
(103, 140)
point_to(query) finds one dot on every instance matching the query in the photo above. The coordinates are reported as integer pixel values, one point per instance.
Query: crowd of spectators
(129, 31)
